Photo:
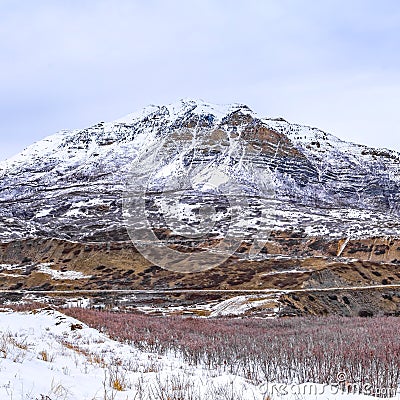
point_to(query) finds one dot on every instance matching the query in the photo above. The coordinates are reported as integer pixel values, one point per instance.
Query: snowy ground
(46, 355)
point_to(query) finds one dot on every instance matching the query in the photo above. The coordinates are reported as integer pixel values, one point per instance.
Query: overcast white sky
(69, 64)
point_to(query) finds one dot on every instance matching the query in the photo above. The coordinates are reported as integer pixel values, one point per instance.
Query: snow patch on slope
(60, 275)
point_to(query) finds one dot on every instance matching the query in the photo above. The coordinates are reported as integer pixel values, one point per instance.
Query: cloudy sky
(69, 64)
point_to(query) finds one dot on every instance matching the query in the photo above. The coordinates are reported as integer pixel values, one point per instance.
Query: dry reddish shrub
(280, 350)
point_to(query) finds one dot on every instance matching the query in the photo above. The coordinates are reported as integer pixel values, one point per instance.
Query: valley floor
(47, 355)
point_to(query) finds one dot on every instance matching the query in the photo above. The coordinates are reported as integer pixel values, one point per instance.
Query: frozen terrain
(47, 355)
(63, 185)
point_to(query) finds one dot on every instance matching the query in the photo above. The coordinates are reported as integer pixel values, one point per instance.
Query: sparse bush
(12, 347)
(45, 356)
(365, 313)
(173, 388)
(117, 378)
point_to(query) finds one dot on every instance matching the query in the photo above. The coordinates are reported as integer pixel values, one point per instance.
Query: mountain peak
(64, 178)
(177, 109)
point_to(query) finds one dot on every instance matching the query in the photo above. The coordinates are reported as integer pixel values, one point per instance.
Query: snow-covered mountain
(71, 185)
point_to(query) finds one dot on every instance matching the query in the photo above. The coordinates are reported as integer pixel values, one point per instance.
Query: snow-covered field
(46, 355)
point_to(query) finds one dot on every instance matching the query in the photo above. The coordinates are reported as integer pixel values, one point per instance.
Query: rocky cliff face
(71, 185)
